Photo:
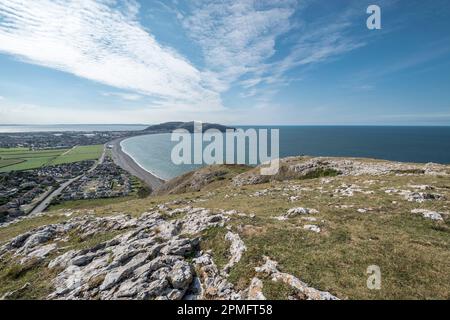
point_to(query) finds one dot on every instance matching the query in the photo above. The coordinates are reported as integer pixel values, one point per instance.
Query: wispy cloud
(124, 96)
(239, 41)
(237, 37)
(413, 60)
(102, 41)
(325, 39)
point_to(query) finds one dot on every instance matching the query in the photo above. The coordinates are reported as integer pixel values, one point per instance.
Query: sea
(397, 143)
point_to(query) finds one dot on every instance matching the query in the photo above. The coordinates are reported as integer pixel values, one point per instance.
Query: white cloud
(124, 96)
(2, 98)
(42, 114)
(102, 41)
(237, 36)
(239, 41)
(322, 40)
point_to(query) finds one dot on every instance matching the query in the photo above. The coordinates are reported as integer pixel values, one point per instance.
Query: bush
(321, 173)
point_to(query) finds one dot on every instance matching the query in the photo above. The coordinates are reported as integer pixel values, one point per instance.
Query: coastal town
(58, 140)
(107, 180)
(41, 169)
(22, 191)
(69, 139)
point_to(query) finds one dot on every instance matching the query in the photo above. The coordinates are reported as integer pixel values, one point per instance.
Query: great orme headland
(224, 150)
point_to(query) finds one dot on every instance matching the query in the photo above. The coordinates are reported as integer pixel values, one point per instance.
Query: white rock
(300, 210)
(255, 290)
(428, 214)
(181, 275)
(237, 248)
(310, 219)
(41, 252)
(312, 227)
(270, 268)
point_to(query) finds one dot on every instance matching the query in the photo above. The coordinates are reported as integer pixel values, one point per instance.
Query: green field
(79, 153)
(17, 159)
(9, 162)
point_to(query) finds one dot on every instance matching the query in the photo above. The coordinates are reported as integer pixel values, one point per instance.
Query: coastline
(137, 162)
(126, 162)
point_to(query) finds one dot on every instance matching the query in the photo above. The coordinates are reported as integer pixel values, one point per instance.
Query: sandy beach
(127, 163)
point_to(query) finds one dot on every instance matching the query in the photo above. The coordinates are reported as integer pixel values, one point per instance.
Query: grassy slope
(412, 252)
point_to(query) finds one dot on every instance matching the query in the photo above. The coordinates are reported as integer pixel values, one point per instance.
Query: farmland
(18, 159)
(79, 153)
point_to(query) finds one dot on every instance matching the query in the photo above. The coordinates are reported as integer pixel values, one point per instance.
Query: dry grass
(31, 280)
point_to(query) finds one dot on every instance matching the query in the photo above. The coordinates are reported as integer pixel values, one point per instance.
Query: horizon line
(238, 124)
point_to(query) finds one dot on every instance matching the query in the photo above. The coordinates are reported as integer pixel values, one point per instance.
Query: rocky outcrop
(312, 227)
(296, 212)
(13, 294)
(303, 291)
(299, 211)
(428, 214)
(36, 242)
(422, 196)
(306, 167)
(149, 259)
(214, 283)
(350, 190)
(255, 290)
(415, 196)
(237, 248)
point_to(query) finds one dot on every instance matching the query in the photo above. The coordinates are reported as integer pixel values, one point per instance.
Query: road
(47, 201)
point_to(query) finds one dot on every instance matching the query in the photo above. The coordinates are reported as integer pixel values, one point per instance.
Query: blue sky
(234, 62)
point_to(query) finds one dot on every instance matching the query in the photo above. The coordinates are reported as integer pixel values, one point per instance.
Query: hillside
(168, 127)
(226, 232)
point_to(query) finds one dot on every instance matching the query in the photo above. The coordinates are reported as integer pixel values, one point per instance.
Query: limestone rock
(428, 214)
(270, 268)
(181, 275)
(214, 283)
(312, 227)
(255, 290)
(237, 248)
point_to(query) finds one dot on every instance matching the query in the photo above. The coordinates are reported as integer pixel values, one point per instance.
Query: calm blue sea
(408, 144)
(70, 127)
